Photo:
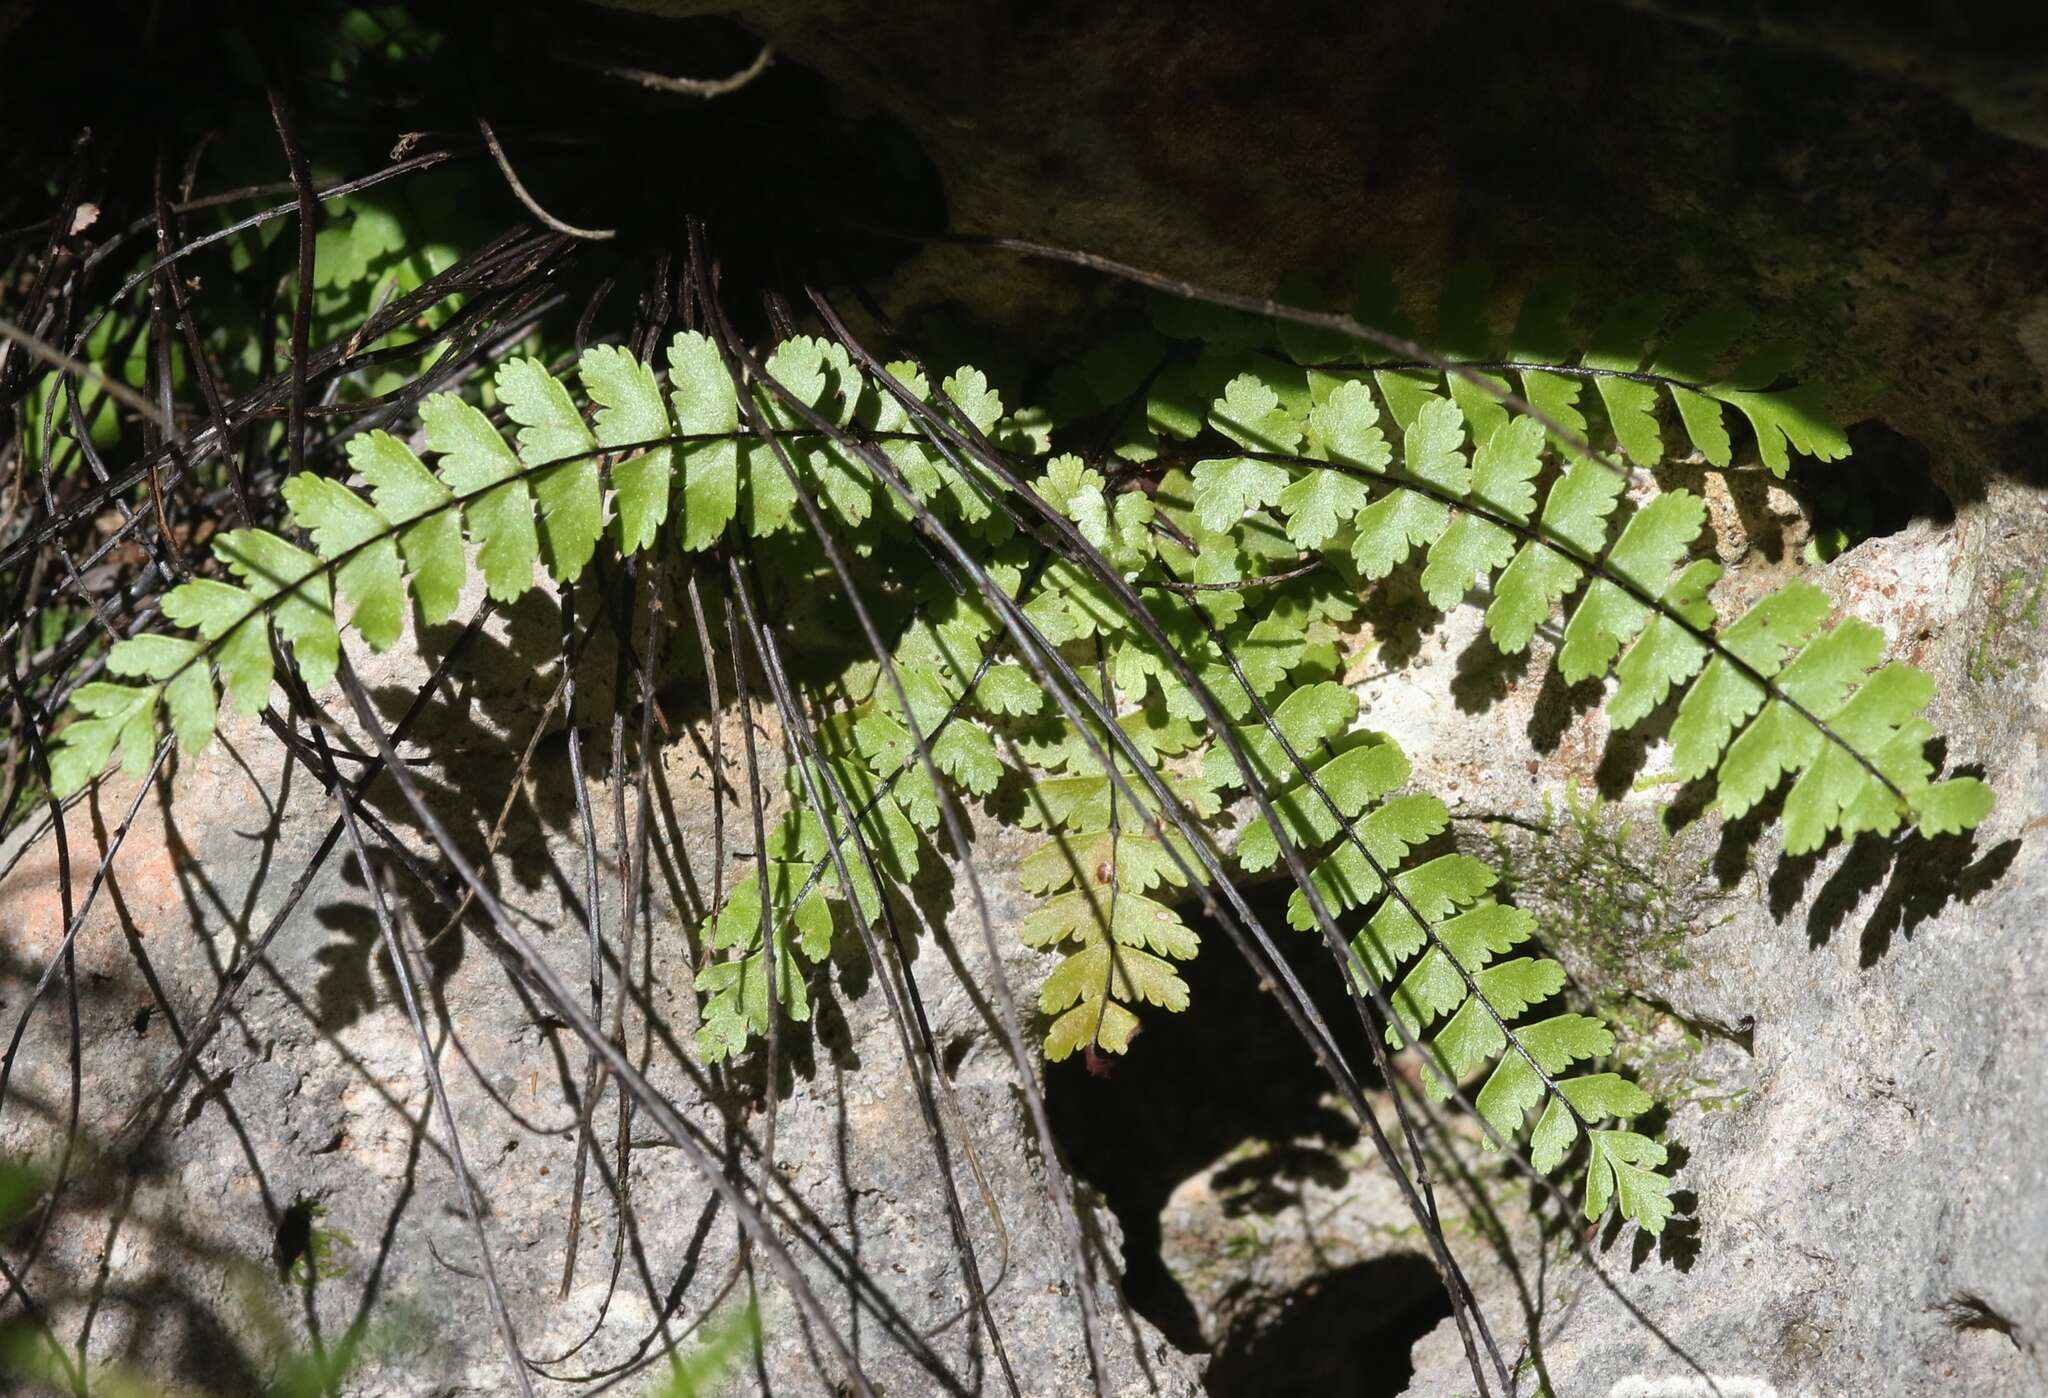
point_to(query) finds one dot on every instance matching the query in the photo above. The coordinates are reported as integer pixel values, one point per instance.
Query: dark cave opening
(1194, 1086)
(1892, 486)
(1346, 1332)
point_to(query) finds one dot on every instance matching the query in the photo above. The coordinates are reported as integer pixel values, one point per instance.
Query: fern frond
(1778, 697)
(947, 670)
(1432, 942)
(1305, 481)
(538, 502)
(737, 1004)
(1097, 871)
(1631, 369)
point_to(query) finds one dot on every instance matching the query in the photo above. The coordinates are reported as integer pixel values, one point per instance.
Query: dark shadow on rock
(1196, 1085)
(1348, 1332)
(207, 1354)
(1735, 854)
(830, 1028)
(345, 991)
(1623, 761)
(1791, 874)
(1484, 674)
(1689, 801)
(1678, 1246)
(1399, 616)
(1893, 486)
(1920, 877)
(1270, 1181)
(1558, 706)
(1931, 876)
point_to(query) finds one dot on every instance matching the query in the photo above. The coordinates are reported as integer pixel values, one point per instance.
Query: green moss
(1602, 885)
(1617, 900)
(2014, 607)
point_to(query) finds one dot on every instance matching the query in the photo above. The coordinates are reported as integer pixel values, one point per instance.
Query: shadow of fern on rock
(1913, 885)
(1347, 1332)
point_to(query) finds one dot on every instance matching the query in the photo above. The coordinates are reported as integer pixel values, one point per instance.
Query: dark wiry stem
(985, 456)
(563, 1003)
(742, 369)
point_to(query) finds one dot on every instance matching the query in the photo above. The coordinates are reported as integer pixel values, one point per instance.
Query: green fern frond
(736, 987)
(539, 502)
(1255, 495)
(866, 752)
(1098, 871)
(1632, 370)
(1431, 943)
(1777, 696)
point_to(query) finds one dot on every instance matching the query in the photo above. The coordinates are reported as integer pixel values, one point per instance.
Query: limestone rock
(303, 1177)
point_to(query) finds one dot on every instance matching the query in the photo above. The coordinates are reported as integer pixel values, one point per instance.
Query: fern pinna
(1250, 485)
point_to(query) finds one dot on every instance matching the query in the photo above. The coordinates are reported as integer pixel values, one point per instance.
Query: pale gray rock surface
(315, 1117)
(1869, 1210)
(1848, 1043)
